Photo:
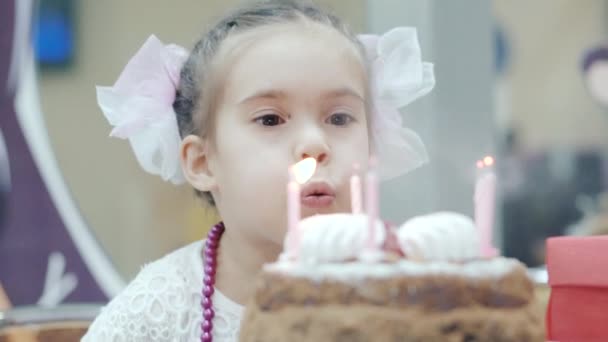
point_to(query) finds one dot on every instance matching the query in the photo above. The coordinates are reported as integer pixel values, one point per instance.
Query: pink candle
(299, 173)
(293, 202)
(485, 199)
(371, 201)
(355, 192)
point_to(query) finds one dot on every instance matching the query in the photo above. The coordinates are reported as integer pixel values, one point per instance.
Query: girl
(269, 85)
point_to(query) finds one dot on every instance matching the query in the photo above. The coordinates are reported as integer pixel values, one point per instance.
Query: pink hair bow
(398, 77)
(140, 107)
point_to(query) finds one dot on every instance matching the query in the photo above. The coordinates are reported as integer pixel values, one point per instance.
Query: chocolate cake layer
(364, 322)
(430, 293)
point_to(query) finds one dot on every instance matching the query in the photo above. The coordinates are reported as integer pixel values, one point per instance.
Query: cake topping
(443, 236)
(334, 238)
(342, 237)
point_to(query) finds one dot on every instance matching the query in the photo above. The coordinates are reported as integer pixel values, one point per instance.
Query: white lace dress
(163, 304)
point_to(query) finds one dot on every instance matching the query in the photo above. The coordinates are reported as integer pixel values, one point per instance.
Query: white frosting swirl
(358, 271)
(333, 238)
(443, 236)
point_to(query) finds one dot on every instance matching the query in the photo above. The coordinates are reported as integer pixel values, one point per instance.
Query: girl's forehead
(295, 58)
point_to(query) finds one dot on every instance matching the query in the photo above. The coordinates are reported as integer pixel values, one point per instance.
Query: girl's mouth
(318, 195)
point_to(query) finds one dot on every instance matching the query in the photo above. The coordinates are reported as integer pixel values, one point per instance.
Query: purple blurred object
(594, 55)
(34, 235)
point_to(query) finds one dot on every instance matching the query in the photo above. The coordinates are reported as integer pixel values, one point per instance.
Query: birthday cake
(339, 280)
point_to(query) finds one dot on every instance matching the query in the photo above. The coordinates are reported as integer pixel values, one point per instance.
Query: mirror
(508, 85)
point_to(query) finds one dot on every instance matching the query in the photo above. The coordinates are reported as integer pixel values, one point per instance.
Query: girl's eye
(340, 119)
(270, 120)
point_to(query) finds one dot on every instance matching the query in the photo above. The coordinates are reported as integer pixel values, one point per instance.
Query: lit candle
(371, 202)
(299, 174)
(293, 202)
(355, 192)
(485, 199)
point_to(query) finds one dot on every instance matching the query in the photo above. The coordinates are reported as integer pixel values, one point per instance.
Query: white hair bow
(140, 107)
(398, 77)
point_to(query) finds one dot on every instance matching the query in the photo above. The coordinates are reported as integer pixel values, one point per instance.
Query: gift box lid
(578, 261)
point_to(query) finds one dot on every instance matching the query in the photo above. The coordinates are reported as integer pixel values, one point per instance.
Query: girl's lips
(318, 201)
(318, 195)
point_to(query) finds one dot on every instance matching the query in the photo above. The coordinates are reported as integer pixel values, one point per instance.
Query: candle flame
(487, 161)
(304, 170)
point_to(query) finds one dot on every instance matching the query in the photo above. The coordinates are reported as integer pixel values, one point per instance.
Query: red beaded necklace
(210, 266)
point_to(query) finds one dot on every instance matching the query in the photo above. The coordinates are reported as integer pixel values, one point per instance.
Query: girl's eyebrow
(344, 92)
(275, 94)
(272, 94)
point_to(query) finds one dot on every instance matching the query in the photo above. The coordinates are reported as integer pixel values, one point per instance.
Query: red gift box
(578, 276)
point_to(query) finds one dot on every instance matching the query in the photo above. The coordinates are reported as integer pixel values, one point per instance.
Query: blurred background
(510, 84)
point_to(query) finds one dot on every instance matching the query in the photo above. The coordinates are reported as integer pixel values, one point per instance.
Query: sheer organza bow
(398, 77)
(140, 107)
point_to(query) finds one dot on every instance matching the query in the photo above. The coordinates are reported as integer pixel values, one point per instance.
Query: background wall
(549, 104)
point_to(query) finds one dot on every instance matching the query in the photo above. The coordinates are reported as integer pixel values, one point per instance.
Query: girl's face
(295, 93)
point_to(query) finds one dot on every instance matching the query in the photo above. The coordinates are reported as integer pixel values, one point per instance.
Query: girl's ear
(194, 159)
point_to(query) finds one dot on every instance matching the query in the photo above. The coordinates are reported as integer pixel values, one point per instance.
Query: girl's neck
(240, 259)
